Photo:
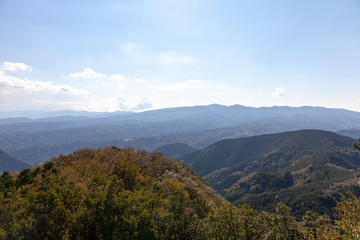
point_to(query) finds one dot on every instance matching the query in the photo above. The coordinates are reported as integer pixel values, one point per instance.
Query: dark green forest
(113, 193)
(300, 169)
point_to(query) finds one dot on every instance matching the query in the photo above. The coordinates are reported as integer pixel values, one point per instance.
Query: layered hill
(37, 140)
(299, 168)
(199, 117)
(175, 150)
(198, 139)
(11, 163)
(354, 133)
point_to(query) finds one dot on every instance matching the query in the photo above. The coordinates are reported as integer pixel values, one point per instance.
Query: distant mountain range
(47, 134)
(299, 168)
(195, 118)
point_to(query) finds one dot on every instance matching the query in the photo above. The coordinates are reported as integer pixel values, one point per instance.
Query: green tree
(51, 210)
(280, 225)
(347, 211)
(6, 182)
(357, 145)
(230, 222)
(316, 226)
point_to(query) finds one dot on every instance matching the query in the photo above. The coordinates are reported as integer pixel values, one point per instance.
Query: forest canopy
(113, 193)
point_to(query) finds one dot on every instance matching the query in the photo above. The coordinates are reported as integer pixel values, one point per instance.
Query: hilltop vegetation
(105, 194)
(299, 169)
(115, 193)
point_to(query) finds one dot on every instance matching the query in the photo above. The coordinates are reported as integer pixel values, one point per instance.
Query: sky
(136, 55)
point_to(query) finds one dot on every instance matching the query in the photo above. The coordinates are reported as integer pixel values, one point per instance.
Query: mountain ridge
(298, 168)
(197, 126)
(237, 113)
(11, 163)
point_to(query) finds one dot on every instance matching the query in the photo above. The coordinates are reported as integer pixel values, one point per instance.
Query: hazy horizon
(31, 114)
(184, 106)
(143, 55)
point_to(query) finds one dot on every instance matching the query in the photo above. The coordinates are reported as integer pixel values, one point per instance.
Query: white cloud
(129, 48)
(13, 67)
(278, 92)
(116, 103)
(173, 58)
(138, 80)
(116, 81)
(121, 86)
(134, 103)
(24, 94)
(14, 84)
(87, 73)
(117, 77)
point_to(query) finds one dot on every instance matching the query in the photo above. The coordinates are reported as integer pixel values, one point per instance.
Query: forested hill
(114, 193)
(299, 168)
(228, 152)
(108, 193)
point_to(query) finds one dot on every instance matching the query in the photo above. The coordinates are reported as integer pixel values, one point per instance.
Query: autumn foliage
(113, 193)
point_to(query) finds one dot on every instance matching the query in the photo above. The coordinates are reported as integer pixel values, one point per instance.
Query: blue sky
(138, 55)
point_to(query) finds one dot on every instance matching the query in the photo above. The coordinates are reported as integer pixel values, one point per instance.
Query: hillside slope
(11, 163)
(298, 168)
(175, 150)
